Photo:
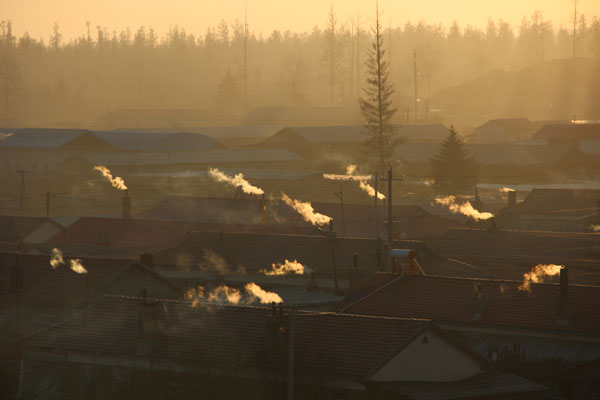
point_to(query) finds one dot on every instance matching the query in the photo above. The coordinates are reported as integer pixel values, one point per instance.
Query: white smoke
(117, 182)
(538, 274)
(56, 259)
(465, 208)
(227, 295)
(594, 228)
(361, 179)
(237, 181)
(286, 268)
(306, 210)
(506, 190)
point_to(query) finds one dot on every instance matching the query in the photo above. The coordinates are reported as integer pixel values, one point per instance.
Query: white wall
(435, 361)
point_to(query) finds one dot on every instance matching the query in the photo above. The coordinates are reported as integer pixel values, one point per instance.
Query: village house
(506, 130)
(173, 349)
(535, 330)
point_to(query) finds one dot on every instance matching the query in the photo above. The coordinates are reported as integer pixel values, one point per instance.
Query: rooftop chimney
(147, 259)
(564, 312)
(331, 233)
(126, 206)
(148, 327)
(512, 199)
(354, 278)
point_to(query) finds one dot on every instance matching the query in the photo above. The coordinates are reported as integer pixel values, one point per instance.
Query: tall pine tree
(376, 105)
(453, 169)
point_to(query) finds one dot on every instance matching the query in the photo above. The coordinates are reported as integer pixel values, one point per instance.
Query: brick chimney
(148, 324)
(126, 206)
(512, 200)
(330, 234)
(564, 312)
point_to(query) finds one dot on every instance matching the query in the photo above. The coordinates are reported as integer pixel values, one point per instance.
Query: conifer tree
(453, 169)
(376, 104)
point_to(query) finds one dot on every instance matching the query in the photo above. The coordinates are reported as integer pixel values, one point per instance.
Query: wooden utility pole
(291, 328)
(416, 87)
(245, 54)
(22, 207)
(340, 195)
(48, 204)
(390, 239)
(376, 185)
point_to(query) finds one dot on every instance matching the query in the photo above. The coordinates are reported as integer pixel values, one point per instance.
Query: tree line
(232, 68)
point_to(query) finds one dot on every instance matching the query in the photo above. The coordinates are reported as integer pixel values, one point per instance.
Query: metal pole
(376, 230)
(416, 89)
(387, 256)
(48, 204)
(343, 215)
(22, 191)
(290, 394)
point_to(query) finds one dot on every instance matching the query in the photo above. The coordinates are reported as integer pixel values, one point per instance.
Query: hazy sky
(38, 16)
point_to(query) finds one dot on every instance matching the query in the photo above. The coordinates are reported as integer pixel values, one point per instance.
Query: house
(335, 263)
(34, 295)
(536, 331)
(157, 348)
(509, 254)
(16, 229)
(505, 130)
(570, 210)
(586, 137)
(302, 116)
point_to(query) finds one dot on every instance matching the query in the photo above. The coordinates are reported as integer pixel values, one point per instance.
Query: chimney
(480, 305)
(331, 233)
(512, 200)
(148, 326)
(147, 259)
(564, 313)
(354, 278)
(126, 206)
(16, 276)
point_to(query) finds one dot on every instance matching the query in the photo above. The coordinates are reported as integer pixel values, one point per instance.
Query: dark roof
(150, 235)
(346, 345)
(254, 252)
(561, 202)
(509, 254)
(512, 124)
(488, 384)
(42, 138)
(284, 115)
(569, 132)
(13, 227)
(445, 299)
(60, 287)
(161, 141)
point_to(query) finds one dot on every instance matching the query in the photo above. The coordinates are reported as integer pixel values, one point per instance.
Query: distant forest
(231, 68)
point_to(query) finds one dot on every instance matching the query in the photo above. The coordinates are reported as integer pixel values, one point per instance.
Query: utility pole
(358, 55)
(22, 172)
(390, 239)
(291, 328)
(416, 88)
(245, 54)
(340, 195)
(376, 185)
(48, 204)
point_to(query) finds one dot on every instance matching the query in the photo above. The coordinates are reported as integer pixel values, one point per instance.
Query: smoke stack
(512, 199)
(16, 275)
(564, 282)
(147, 259)
(126, 206)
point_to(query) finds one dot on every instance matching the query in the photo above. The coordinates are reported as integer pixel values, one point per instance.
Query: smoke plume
(237, 181)
(594, 228)
(506, 190)
(56, 258)
(465, 208)
(361, 179)
(117, 182)
(227, 295)
(539, 273)
(262, 295)
(286, 268)
(306, 210)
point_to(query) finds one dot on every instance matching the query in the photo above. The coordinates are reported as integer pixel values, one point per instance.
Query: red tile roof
(444, 299)
(329, 343)
(60, 287)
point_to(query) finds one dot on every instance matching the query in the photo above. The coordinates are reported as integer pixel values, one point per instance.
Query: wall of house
(430, 360)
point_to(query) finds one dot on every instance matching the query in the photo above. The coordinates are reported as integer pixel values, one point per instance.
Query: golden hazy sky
(38, 16)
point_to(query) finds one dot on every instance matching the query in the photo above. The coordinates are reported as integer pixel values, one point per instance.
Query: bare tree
(294, 75)
(376, 105)
(332, 53)
(10, 72)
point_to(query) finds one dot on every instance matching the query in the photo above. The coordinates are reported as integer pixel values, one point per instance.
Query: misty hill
(547, 90)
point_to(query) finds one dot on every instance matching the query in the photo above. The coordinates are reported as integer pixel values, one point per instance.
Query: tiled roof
(12, 226)
(512, 124)
(444, 299)
(150, 235)
(512, 253)
(254, 252)
(60, 287)
(324, 342)
(488, 384)
(569, 132)
(161, 141)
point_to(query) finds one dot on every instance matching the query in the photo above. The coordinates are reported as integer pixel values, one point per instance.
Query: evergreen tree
(376, 105)
(227, 97)
(453, 169)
